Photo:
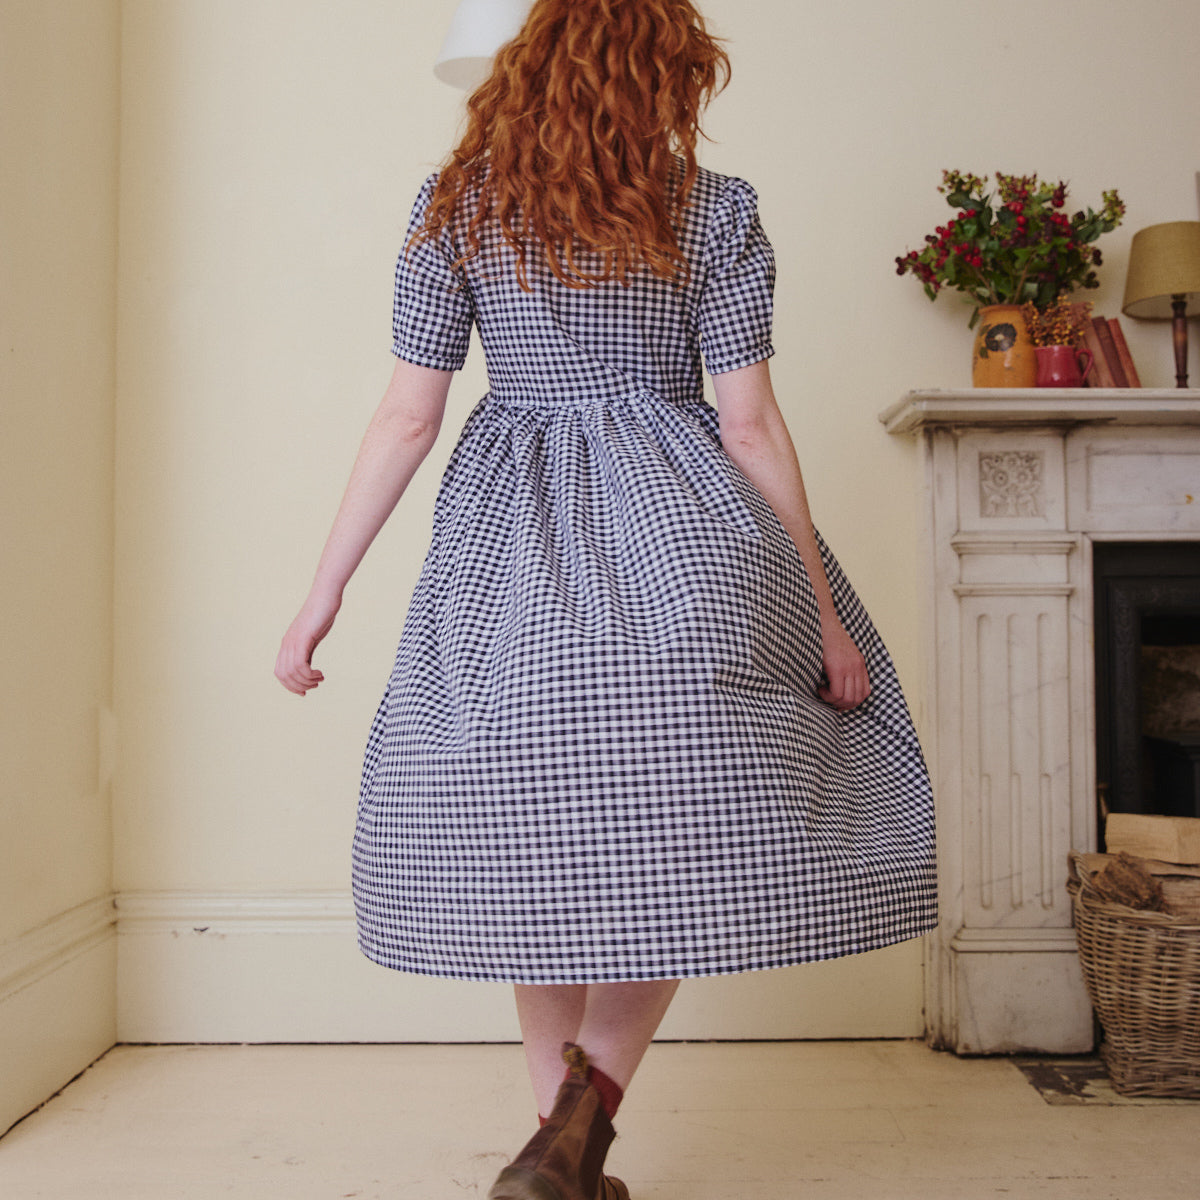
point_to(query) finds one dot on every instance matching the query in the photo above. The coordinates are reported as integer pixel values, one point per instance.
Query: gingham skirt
(601, 755)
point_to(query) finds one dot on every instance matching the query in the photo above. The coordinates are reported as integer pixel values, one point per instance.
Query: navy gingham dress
(601, 755)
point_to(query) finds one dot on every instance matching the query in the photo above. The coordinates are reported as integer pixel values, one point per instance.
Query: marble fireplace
(1018, 489)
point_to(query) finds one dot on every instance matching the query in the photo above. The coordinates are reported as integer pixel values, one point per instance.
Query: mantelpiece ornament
(1011, 483)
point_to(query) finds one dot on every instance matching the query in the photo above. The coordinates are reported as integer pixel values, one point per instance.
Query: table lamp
(1164, 277)
(477, 30)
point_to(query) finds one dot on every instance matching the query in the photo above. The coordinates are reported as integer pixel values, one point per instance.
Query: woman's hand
(847, 684)
(293, 665)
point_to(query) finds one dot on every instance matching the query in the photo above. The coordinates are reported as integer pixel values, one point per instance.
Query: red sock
(610, 1094)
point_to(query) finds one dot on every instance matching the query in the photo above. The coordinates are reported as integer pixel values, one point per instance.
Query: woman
(627, 737)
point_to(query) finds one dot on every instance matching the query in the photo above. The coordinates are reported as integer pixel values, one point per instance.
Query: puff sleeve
(735, 307)
(432, 310)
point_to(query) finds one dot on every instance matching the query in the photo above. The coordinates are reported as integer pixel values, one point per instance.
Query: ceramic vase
(1062, 366)
(1004, 354)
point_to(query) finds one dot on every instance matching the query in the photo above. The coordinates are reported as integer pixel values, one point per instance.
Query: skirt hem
(658, 972)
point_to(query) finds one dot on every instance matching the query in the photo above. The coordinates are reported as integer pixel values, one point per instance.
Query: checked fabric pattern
(600, 755)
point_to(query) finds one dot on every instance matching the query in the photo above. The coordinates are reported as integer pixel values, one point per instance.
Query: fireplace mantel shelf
(1043, 406)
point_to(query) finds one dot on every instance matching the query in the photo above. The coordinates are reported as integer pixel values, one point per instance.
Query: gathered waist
(571, 399)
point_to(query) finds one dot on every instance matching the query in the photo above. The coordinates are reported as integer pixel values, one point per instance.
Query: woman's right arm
(757, 440)
(400, 435)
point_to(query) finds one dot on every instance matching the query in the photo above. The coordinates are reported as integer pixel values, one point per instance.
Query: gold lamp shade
(1164, 261)
(1164, 277)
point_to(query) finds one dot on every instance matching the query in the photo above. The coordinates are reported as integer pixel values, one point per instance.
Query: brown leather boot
(611, 1188)
(564, 1160)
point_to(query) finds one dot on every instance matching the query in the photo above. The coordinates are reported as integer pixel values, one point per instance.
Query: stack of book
(1113, 366)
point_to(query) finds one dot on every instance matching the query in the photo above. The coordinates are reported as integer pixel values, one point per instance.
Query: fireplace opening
(1147, 639)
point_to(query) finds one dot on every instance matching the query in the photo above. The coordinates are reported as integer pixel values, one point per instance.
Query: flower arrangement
(1014, 245)
(1060, 323)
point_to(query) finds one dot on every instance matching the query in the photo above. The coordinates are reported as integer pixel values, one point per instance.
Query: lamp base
(1179, 336)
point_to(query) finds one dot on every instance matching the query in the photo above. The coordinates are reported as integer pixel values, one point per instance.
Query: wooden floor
(741, 1121)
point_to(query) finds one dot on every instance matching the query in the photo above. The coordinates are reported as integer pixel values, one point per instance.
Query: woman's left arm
(755, 436)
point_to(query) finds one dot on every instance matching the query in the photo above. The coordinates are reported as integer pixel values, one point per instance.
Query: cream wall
(270, 152)
(58, 249)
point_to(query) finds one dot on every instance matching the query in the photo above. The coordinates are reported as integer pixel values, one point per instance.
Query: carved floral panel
(1012, 483)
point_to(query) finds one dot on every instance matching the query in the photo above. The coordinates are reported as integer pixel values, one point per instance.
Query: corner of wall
(59, 74)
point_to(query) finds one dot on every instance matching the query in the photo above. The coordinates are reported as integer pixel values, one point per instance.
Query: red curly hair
(583, 139)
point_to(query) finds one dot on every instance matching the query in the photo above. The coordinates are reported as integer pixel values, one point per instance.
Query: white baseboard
(57, 1004)
(246, 913)
(285, 967)
(27, 959)
(279, 967)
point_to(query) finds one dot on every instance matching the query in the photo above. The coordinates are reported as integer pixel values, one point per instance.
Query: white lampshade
(478, 29)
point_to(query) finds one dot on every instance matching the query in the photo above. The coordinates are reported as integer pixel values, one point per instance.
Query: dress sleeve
(432, 310)
(735, 301)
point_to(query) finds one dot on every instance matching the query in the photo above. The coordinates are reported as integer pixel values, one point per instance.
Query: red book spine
(1118, 337)
(1101, 376)
(1104, 334)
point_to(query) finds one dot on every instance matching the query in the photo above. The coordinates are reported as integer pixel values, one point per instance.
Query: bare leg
(619, 1021)
(550, 1014)
(613, 1022)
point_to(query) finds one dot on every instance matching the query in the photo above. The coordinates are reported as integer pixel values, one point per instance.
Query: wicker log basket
(1142, 971)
